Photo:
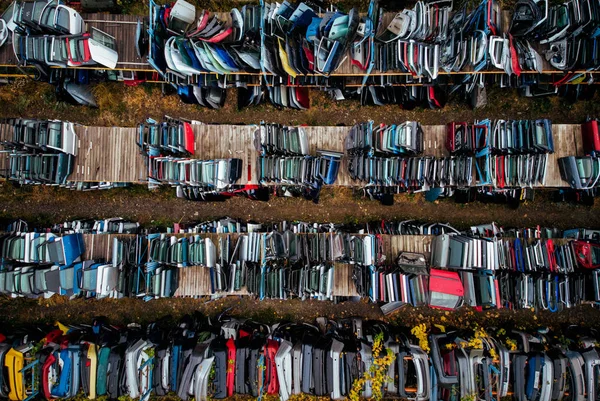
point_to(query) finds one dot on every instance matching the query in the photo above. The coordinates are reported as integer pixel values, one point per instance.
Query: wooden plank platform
(193, 281)
(123, 28)
(226, 141)
(343, 285)
(111, 154)
(108, 155)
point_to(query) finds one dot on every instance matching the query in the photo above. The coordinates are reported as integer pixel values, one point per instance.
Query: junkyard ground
(24, 312)
(128, 106)
(124, 106)
(43, 206)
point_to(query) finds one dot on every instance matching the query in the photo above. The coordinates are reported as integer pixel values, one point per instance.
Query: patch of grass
(108, 97)
(543, 104)
(148, 88)
(22, 103)
(161, 223)
(267, 315)
(49, 97)
(41, 220)
(136, 190)
(350, 220)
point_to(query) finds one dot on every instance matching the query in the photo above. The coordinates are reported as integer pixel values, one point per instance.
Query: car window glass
(62, 19)
(37, 10)
(80, 49)
(55, 134)
(60, 53)
(8, 13)
(562, 18)
(49, 16)
(73, 49)
(40, 54)
(103, 38)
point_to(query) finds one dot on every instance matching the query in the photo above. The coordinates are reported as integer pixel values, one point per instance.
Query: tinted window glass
(62, 19)
(60, 52)
(40, 49)
(37, 10)
(48, 17)
(74, 50)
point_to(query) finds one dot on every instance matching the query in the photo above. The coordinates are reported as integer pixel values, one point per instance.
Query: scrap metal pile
(488, 273)
(285, 160)
(583, 172)
(491, 157)
(277, 51)
(44, 152)
(482, 268)
(499, 154)
(51, 37)
(205, 359)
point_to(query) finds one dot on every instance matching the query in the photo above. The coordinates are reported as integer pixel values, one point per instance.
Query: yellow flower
(511, 344)
(377, 373)
(493, 354)
(420, 332)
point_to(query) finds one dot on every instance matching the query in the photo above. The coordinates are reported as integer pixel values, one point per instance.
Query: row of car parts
(293, 41)
(276, 139)
(583, 172)
(300, 171)
(209, 175)
(169, 137)
(407, 138)
(167, 146)
(43, 152)
(285, 158)
(500, 154)
(486, 273)
(50, 34)
(402, 139)
(497, 154)
(148, 266)
(204, 358)
(500, 137)
(290, 264)
(406, 91)
(227, 225)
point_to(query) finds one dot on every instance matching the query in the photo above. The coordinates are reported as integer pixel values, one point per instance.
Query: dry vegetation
(23, 311)
(128, 106)
(44, 206)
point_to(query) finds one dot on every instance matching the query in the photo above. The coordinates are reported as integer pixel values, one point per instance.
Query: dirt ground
(44, 206)
(123, 106)
(23, 312)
